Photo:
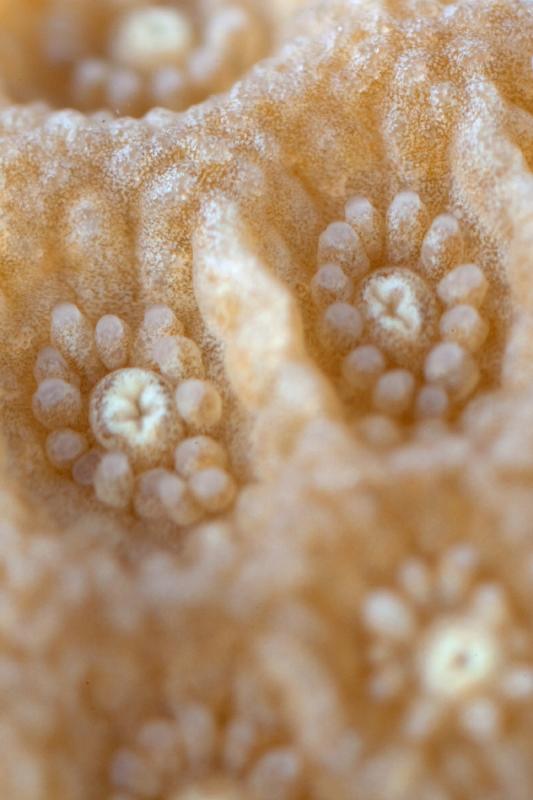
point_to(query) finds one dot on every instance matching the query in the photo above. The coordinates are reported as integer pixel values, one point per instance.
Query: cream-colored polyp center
(457, 657)
(132, 410)
(148, 37)
(392, 303)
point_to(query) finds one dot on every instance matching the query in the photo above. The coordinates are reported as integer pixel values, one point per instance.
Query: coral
(265, 401)
(469, 654)
(395, 286)
(131, 56)
(133, 423)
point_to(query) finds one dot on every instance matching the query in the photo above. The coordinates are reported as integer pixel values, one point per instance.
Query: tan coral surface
(266, 408)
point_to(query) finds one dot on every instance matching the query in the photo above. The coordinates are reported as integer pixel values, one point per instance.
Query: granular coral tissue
(266, 395)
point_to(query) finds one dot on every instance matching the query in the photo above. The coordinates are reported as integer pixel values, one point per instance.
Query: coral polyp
(400, 313)
(123, 437)
(128, 57)
(397, 284)
(447, 645)
(133, 411)
(151, 37)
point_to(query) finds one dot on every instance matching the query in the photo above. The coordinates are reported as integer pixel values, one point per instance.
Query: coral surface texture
(266, 400)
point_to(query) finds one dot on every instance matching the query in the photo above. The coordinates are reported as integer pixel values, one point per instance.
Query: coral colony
(266, 400)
